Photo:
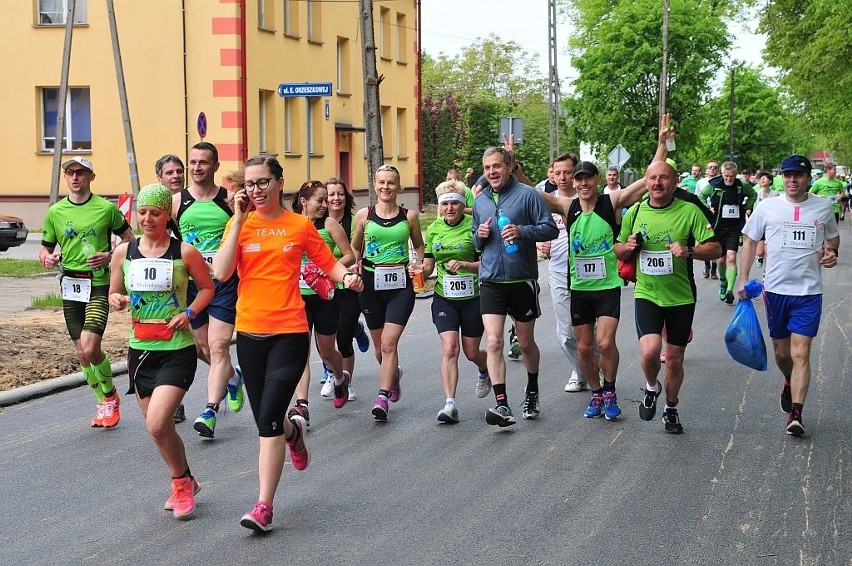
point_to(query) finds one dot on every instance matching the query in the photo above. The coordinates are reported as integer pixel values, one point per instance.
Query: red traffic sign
(201, 125)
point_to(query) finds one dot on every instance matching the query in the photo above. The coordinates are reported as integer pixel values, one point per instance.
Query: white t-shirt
(559, 247)
(699, 186)
(795, 235)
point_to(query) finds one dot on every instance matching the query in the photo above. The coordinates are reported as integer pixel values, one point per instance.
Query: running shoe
(180, 414)
(786, 398)
(501, 415)
(575, 384)
(341, 392)
(327, 390)
(170, 502)
(648, 406)
(380, 409)
(112, 414)
(672, 421)
(713, 273)
(183, 497)
(706, 274)
(729, 297)
(236, 398)
(612, 411)
(325, 373)
(98, 419)
(530, 408)
(449, 414)
(300, 456)
(205, 424)
(794, 423)
(352, 395)
(396, 390)
(483, 385)
(300, 410)
(361, 337)
(515, 349)
(258, 519)
(593, 411)
(723, 290)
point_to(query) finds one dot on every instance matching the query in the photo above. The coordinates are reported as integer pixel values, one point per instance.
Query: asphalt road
(734, 489)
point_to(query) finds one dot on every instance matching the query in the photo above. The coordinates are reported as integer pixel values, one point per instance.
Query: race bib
(656, 263)
(208, 257)
(389, 277)
(798, 236)
(148, 274)
(731, 211)
(458, 286)
(76, 289)
(590, 267)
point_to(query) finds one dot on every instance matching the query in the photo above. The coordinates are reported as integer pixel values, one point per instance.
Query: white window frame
(68, 138)
(47, 15)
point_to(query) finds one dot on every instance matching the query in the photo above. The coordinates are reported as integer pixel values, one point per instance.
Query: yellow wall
(151, 35)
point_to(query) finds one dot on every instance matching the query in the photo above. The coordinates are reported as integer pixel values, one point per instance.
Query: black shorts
(588, 306)
(449, 316)
(380, 307)
(91, 316)
(651, 318)
(520, 299)
(729, 238)
(149, 369)
(223, 306)
(323, 316)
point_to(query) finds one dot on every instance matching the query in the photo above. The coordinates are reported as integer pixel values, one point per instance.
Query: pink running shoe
(341, 392)
(396, 390)
(380, 409)
(170, 503)
(300, 456)
(258, 519)
(183, 497)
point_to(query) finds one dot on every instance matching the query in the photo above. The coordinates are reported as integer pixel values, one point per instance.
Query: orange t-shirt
(269, 258)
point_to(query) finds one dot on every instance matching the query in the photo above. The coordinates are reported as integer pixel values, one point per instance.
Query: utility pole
(372, 108)
(731, 120)
(61, 101)
(553, 95)
(122, 97)
(664, 73)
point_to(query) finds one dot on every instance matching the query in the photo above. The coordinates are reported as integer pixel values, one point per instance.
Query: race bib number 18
(76, 289)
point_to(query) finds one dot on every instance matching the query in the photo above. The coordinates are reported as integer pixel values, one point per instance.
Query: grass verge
(52, 300)
(21, 267)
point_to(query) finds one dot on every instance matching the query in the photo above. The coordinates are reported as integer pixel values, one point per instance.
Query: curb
(48, 386)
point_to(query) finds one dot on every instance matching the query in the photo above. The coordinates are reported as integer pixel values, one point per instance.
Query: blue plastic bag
(744, 337)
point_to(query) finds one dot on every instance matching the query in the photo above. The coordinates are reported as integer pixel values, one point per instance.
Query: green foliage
(21, 267)
(441, 127)
(809, 42)
(482, 121)
(50, 301)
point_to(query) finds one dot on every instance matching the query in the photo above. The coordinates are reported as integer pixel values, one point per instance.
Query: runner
(323, 314)
(150, 276)
(801, 238)
(170, 172)
(341, 206)
(455, 304)
(265, 248)
(712, 170)
(201, 211)
(509, 218)
(764, 183)
(831, 188)
(666, 233)
(81, 224)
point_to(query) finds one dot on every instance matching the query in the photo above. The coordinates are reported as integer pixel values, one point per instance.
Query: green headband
(155, 195)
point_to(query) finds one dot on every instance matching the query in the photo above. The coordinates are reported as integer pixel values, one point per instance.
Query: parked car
(12, 232)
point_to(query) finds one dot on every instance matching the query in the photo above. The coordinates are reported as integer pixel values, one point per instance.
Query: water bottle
(510, 246)
(417, 274)
(89, 251)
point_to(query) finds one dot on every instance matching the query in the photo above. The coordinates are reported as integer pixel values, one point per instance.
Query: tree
(617, 50)
(442, 126)
(808, 41)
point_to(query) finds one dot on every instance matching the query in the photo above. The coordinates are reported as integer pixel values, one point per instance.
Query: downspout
(243, 82)
(419, 110)
(185, 82)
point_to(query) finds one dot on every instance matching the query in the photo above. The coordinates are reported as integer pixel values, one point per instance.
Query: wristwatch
(190, 314)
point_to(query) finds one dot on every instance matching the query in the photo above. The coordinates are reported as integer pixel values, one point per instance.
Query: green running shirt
(445, 243)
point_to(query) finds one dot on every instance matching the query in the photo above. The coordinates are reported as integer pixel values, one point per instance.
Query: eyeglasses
(260, 184)
(387, 168)
(712, 166)
(76, 172)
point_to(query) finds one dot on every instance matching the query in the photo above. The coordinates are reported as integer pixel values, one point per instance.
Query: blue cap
(798, 163)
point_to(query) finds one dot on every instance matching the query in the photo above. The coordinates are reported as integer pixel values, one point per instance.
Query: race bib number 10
(150, 274)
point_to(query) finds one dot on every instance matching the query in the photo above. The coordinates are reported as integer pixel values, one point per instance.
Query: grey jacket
(526, 209)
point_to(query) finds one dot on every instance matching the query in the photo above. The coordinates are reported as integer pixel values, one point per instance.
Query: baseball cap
(80, 161)
(585, 168)
(797, 163)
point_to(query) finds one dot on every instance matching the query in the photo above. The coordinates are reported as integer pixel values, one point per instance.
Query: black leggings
(271, 366)
(350, 311)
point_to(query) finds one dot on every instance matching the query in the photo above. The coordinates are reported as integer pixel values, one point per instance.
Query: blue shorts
(790, 314)
(223, 306)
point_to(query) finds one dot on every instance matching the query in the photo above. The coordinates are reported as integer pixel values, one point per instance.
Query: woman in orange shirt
(264, 243)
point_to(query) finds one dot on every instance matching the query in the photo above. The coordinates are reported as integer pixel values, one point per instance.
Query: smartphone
(245, 202)
(639, 238)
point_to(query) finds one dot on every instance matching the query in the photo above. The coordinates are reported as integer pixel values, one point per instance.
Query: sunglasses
(387, 168)
(76, 172)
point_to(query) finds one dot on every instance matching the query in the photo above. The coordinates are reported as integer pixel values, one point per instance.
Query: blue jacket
(526, 209)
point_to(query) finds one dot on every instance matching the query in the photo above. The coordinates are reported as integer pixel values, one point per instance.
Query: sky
(450, 25)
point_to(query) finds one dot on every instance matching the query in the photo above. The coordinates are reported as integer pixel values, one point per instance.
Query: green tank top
(202, 222)
(161, 304)
(592, 263)
(329, 241)
(385, 239)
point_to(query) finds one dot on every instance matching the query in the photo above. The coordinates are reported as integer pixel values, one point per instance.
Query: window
(401, 39)
(53, 12)
(314, 10)
(291, 125)
(384, 34)
(265, 14)
(78, 119)
(386, 129)
(401, 133)
(266, 121)
(291, 18)
(314, 129)
(343, 63)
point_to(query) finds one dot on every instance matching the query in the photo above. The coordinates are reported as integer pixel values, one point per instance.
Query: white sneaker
(449, 414)
(575, 384)
(352, 395)
(327, 390)
(483, 386)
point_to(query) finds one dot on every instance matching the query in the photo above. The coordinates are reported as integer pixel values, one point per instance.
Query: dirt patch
(37, 346)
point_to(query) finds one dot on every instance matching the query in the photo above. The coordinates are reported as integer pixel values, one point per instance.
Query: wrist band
(190, 314)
